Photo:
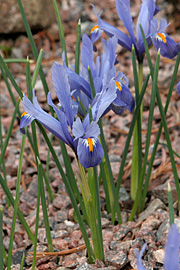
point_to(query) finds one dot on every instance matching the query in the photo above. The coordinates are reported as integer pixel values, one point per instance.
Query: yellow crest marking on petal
(94, 29)
(118, 85)
(163, 37)
(90, 144)
(24, 113)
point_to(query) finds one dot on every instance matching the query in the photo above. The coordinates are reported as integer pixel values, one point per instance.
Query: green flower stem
(113, 196)
(37, 215)
(91, 214)
(71, 178)
(137, 140)
(151, 111)
(163, 123)
(105, 184)
(71, 195)
(136, 112)
(98, 207)
(16, 203)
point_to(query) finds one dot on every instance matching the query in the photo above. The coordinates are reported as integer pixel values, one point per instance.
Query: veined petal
(26, 120)
(62, 87)
(145, 17)
(95, 33)
(124, 13)
(110, 30)
(49, 122)
(87, 55)
(124, 99)
(172, 249)
(77, 129)
(90, 152)
(103, 101)
(168, 47)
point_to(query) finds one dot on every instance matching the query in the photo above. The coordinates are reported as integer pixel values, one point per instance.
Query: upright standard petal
(146, 14)
(124, 13)
(171, 261)
(62, 87)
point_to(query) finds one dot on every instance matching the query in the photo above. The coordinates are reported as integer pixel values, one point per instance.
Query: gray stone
(152, 207)
(117, 258)
(158, 256)
(84, 266)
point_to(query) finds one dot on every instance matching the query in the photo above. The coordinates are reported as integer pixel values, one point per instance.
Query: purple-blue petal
(48, 121)
(139, 258)
(178, 87)
(168, 48)
(62, 87)
(77, 129)
(87, 157)
(110, 30)
(26, 120)
(124, 13)
(171, 261)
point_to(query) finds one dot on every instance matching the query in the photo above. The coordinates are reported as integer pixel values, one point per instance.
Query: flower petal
(168, 47)
(90, 152)
(139, 257)
(62, 87)
(172, 249)
(110, 30)
(124, 13)
(48, 121)
(178, 87)
(26, 120)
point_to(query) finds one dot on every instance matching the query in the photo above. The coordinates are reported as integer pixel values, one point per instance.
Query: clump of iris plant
(81, 136)
(153, 33)
(76, 125)
(171, 260)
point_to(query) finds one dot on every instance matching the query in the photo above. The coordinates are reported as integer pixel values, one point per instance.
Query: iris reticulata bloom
(103, 70)
(147, 10)
(82, 137)
(168, 47)
(171, 260)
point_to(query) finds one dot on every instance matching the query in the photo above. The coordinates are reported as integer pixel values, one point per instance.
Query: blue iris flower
(103, 71)
(82, 137)
(147, 10)
(168, 47)
(171, 261)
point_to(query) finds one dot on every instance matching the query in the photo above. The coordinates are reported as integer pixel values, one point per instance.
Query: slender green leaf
(77, 52)
(16, 203)
(61, 32)
(151, 111)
